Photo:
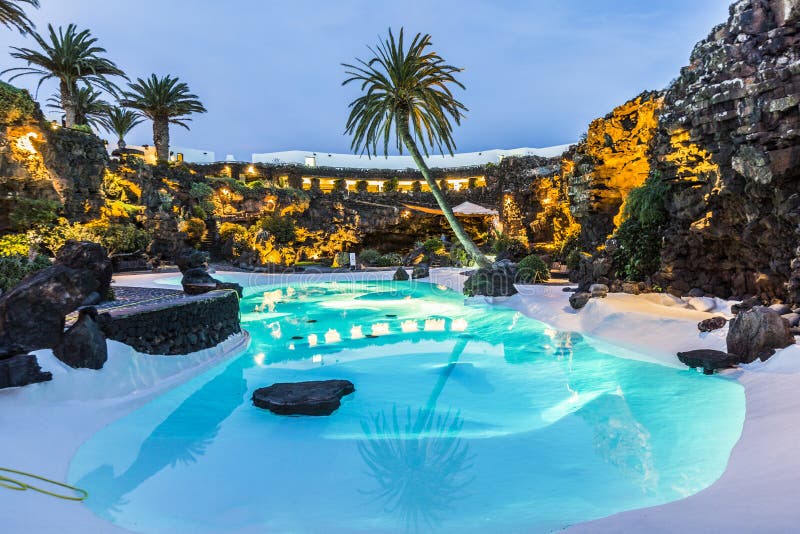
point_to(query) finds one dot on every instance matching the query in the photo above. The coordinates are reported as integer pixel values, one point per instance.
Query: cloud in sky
(537, 72)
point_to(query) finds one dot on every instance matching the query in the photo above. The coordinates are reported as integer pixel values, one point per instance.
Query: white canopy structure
(465, 209)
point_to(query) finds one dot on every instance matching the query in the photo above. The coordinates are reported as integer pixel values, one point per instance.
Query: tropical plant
(433, 245)
(281, 228)
(28, 213)
(389, 260)
(532, 269)
(90, 108)
(407, 95)
(195, 229)
(120, 121)
(14, 268)
(369, 256)
(165, 101)
(12, 15)
(72, 58)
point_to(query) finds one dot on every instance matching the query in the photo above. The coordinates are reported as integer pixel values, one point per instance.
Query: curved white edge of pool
(44, 424)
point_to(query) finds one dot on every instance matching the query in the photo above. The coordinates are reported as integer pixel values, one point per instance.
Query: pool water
(465, 418)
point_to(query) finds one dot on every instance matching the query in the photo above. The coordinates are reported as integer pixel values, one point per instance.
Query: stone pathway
(134, 297)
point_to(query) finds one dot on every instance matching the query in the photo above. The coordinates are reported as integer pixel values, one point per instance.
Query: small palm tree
(12, 15)
(165, 101)
(90, 107)
(72, 58)
(120, 122)
(405, 89)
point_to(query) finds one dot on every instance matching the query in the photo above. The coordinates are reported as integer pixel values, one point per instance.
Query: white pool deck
(43, 425)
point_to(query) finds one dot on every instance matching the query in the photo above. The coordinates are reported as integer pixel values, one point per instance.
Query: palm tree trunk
(67, 104)
(161, 138)
(455, 224)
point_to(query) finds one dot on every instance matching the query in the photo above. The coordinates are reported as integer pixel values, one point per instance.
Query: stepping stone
(319, 397)
(709, 360)
(297, 337)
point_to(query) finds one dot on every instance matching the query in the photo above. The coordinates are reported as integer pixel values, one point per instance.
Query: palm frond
(165, 98)
(403, 86)
(12, 15)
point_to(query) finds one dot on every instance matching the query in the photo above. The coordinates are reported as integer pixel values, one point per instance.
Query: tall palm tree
(120, 122)
(73, 59)
(12, 15)
(165, 101)
(407, 89)
(90, 107)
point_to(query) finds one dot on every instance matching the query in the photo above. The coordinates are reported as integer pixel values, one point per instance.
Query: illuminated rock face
(614, 158)
(729, 138)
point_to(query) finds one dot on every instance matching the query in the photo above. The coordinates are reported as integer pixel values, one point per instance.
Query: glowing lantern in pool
(458, 325)
(409, 326)
(291, 346)
(434, 325)
(312, 340)
(356, 332)
(317, 358)
(332, 336)
(275, 329)
(259, 358)
(379, 329)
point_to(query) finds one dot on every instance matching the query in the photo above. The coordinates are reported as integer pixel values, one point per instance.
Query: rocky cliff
(728, 142)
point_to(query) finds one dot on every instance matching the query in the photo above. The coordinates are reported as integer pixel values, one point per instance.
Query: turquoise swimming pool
(465, 418)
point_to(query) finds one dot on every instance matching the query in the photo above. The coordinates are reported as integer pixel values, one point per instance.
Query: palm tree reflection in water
(419, 462)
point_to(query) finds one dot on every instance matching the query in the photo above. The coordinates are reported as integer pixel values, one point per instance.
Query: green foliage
(361, 186)
(573, 259)
(14, 245)
(115, 237)
(369, 256)
(195, 230)
(281, 228)
(295, 181)
(416, 186)
(460, 258)
(85, 128)
(199, 212)
(30, 212)
(433, 245)
(509, 245)
(16, 267)
(391, 184)
(201, 190)
(639, 236)
(232, 231)
(532, 269)
(389, 260)
(15, 104)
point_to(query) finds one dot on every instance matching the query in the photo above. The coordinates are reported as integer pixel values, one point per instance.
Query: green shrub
(30, 212)
(362, 186)
(532, 269)
(389, 260)
(233, 231)
(573, 259)
(195, 230)
(639, 236)
(15, 104)
(282, 228)
(510, 245)
(14, 268)
(369, 256)
(200, 190)
(85, 128)
(433, 245)
(460, 258)
(199, 212)
(391, 185)
(416, 186)
(15, 245)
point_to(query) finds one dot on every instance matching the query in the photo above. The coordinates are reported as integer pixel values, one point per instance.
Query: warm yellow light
(259, 358)
(458, 325)
(379, 329)
(356, 332)
(434, 325)
(332, 336)
(24, 142)
(409, 326)
(312, 340)
(251, 169)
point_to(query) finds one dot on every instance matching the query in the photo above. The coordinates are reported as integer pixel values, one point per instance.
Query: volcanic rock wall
(728, 139)
(613, 159)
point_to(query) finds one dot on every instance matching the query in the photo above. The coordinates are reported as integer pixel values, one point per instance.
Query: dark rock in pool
(84, 344)
(712, 323)
(421, 270)
(709, 360)
(319, 397)
(578, 300)
(21, 370)
(498, 281)
(757, 332)
(400, 275)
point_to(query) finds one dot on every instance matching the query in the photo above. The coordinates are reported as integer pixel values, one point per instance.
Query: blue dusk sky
(536, 72)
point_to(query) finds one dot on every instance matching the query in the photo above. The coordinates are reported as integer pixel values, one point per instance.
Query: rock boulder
(21, 370)
(757, 332)
(84, 344)
(86, 255)
(319, 397)
(711, 324)
(400, 275)
(709, 360)
(495, 282)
